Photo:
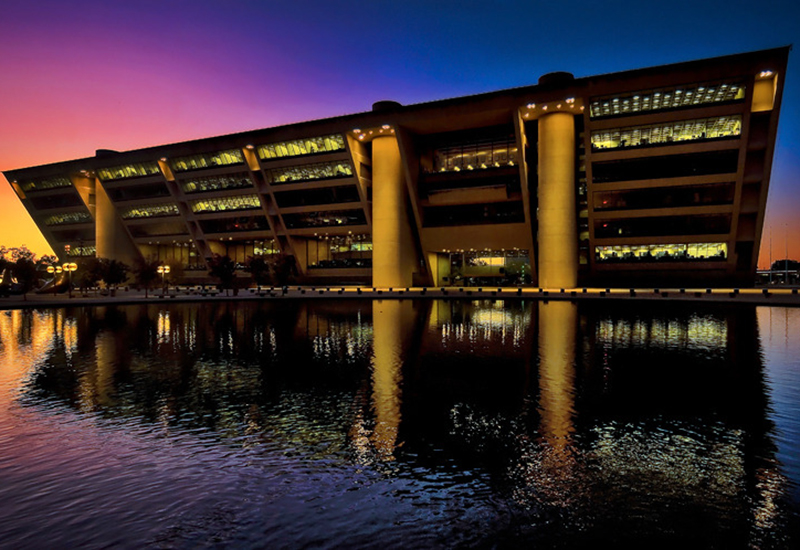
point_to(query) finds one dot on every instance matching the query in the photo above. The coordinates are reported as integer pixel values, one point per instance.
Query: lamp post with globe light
(70, 267)
(55, 270)
(163, 270)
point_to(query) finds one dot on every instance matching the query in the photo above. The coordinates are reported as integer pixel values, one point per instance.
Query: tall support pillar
(558, 228)
(111, 237)
(392, 240)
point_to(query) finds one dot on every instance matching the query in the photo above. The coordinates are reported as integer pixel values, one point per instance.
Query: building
(644, 177)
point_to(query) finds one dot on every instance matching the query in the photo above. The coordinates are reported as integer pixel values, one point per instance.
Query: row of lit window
(207, 160)
(297, 147)
(310, 172)
(215, 183)
(265, 248)
(670, 132)
(150, 211)
(661, 252)
(482, 155)
(45, 183)
(82, 251)
(67, 218)
(666, 99)
(135, 170)
(223, 204)
(349, 243)
(324, 219)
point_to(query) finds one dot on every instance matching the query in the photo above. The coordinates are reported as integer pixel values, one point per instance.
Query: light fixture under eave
(531, 105)
(385, 126)
(356, 130)
(570, 100)
(163, 159)
(249, 146)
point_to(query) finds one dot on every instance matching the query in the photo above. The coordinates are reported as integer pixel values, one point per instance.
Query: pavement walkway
(766, 296)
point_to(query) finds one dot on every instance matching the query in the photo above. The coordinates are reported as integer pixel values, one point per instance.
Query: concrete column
(392, 244)
(558, 228)
(111, 237)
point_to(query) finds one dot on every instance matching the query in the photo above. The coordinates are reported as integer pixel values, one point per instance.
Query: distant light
(558, 106)
(249, 146)
(765, 74)
(531, 105)
(544, 108)
(570, 100)
(361, 136)
(385, 126)
(163, 159)
(356, 130)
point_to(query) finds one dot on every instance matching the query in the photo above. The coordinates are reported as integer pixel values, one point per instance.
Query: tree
(785, 265)
(283, 269)
(25, 272)
(259, 269)
(146, 272)
(90, 273)
(115, 272)
(224, 269)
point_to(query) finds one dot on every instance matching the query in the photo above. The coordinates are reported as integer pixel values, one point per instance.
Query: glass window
(207, 160)
(324, 219)
(45, 183)
(661, 253)
(150, 211)
(82, 251)
(672, 132)
(663, 197)
(706, 224)
(311, 172)
(135, 170)
(68, 218)
(298, 147)
(223, 204)
(476, 156)
(138, 191)
(672, 98)
(216, 183)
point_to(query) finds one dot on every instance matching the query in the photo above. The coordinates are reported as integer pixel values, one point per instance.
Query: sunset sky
(77, 76)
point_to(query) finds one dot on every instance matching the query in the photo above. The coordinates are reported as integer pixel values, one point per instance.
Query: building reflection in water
(557, 334)
(593, 414)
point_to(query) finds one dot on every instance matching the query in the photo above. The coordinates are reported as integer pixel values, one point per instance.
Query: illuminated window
(265, 248)
(150, 211)
(215, 183)
(343, 251)
(67, 218)
(311, 172)
(324, 219)
(298, 147)
(672, 98)
(224, 204)
(44, 184)
(135, 170)
(477, 156)
(671, 132)
(661, 253)
(208, 160)
(82, 251)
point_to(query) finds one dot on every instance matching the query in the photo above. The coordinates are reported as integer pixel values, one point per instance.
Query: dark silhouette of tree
(259, 269)
(785, 265)
(145, 273)
(115, 273)
(283, 269)
(25, 272)
(224, 269)
(90, 272)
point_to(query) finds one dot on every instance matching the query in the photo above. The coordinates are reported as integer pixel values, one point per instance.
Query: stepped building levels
(647, 177)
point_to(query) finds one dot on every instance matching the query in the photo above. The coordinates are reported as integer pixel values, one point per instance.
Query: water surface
(400, 424)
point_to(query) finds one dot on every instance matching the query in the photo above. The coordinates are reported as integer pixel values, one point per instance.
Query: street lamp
(163, 270)
(57, 270)
(70, 267)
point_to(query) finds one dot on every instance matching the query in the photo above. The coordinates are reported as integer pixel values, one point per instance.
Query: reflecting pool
(414, 424)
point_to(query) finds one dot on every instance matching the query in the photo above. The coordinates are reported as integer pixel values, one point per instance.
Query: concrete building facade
(646, 177)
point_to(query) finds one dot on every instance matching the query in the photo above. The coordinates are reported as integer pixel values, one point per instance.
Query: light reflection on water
(399, 423)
